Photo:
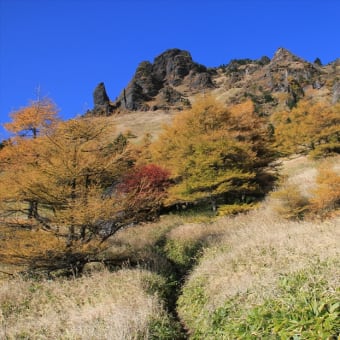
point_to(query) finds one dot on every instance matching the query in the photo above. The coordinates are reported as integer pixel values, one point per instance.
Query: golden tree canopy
(30, 120)
(212, 150)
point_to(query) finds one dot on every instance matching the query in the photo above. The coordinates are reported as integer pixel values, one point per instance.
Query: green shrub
(165, 329)
(233, 209)
(305, 306)
(183, 253)
(191, 303)
(155, 284)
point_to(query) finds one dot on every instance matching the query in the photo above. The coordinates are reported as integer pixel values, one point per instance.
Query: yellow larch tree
(28, 123)
(311, 126)
(72, 178)
(214, 153)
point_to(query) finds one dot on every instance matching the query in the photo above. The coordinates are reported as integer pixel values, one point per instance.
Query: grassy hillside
(119, 305)
(251, 276)
(264, 265)
(113, 226)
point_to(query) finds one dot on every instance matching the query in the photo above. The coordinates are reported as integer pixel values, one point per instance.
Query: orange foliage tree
(214, 153)
(28, 123)
(310, 126)
(78, 180)
(326, 195)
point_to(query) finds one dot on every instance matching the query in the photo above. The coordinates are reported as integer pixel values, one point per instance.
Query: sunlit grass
(103, 306)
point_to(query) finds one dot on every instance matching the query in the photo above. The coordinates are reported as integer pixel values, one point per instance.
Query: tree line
(77, 182)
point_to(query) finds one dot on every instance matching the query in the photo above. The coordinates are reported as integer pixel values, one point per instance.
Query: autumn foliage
(321, 200)
(33, 119)
(326, 195)
(144, 189)
(214, 153)
(309, 127)
(76, 183)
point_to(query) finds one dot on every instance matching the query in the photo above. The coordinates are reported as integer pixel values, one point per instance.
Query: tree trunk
(213, 204)
(32, 209)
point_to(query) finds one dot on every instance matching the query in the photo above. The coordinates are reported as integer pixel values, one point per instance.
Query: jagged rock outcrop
(100, 96)
(169, 70)
(200, 80)
(169, 95)
(102, 104)
(286, 67)
(173, 79)
(283, 56)
(172, 66)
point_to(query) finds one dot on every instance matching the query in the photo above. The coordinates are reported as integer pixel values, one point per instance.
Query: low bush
(306, 306)
(318, 198)
(326, 195)
(325, 150)
(183, 253)
(191, 304)
(165, 329)
(290, 202)
(233, 209)
(185, 244)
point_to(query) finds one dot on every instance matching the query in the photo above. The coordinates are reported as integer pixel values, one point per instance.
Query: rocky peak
(173, 79)
(170, 69)
(172, 66)
(102, 103)
(286, 71)
(100, 96)
(282, 55)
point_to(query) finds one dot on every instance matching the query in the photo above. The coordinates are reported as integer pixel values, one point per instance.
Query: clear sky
(66, 47)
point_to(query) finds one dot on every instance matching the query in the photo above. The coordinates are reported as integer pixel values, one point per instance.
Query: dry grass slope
(103, 306)
(242, 260)
(244, 267)
(255, 249)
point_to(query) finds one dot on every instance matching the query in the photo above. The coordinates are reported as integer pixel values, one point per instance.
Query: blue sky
(66, 47)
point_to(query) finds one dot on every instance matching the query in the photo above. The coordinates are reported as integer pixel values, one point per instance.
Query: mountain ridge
(173, 80)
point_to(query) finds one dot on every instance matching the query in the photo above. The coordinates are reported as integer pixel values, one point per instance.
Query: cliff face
(158, 82)
(174, 79)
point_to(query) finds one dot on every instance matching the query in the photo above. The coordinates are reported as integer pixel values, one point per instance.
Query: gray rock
(100, 96)
(287, 70)
(169, 95)
(101, 100)
(317, 85)
(172, 68)
(133, 96)
(283, 55)
(336, 92)
(200, 81)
